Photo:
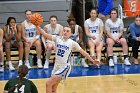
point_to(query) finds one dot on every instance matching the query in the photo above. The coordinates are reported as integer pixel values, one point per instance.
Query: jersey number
(31, 34)
(60, 52)
(93, 31)
(114, 31)
(21, 89)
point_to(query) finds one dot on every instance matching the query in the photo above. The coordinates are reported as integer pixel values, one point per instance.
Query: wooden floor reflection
(93, 84)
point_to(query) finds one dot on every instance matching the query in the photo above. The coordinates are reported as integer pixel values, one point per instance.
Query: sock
(39, 60)
(125, 56)
(110, 57)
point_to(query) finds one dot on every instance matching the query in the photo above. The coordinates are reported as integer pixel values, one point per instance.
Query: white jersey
(114, 27)
(94, 25)
(94, 28)
(54, 32)
(30, 30)
(75, 35)
(64, 49)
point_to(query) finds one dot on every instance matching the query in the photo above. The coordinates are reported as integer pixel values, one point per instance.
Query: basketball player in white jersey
(114, 28)
(54, 29)
(77, 36)
(94, 31)
(31, 38)
(1, 51)
(62, 67)
(12, 38)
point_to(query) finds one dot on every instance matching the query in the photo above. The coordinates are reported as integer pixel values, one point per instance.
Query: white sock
(20, 60)
(39, 60)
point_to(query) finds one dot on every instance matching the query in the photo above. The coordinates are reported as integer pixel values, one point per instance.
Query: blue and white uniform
(64, 49)
(94, 28)
(75, 35)
(114, 27)
(30, 31)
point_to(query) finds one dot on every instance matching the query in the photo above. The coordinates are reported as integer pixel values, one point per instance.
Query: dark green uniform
(20, 86)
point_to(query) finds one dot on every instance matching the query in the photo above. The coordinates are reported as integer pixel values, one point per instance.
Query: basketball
(36, 19)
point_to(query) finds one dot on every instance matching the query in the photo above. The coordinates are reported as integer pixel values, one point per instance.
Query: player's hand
(93, 37)
(97, 63)
(118, 40)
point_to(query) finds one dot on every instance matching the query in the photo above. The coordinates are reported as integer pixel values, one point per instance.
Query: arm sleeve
(108, 8)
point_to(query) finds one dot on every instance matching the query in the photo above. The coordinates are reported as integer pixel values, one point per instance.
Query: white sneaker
(83, 62)
(1, 69)
(11, 66)
(126, 62)
(46, 65)
(111, 64)
(27, 64)
(20, 63)
(39, 64)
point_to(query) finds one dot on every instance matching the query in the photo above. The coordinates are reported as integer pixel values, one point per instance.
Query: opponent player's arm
(46, 35)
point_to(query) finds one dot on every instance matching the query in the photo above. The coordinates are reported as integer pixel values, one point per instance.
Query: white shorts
(62, 72)
(115, 35)
(31, 39)
(95, 41)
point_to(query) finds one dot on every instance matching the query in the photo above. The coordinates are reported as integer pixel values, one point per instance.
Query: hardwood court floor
(94, 84)
(119, 79)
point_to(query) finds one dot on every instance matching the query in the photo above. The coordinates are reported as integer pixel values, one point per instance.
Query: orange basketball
(36, 19)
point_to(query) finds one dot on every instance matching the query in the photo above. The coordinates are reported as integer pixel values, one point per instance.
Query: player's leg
(8, 55)
(1, 59)
(19, 45)
(37, 44)
(49, 47)
(52, 83)
(91, 48)
(110, 44)
(83, 62)
(27, 50)
(54, 87)
(98, 50)
(125, 50)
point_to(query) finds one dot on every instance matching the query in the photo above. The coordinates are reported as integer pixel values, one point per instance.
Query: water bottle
(115, 58)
